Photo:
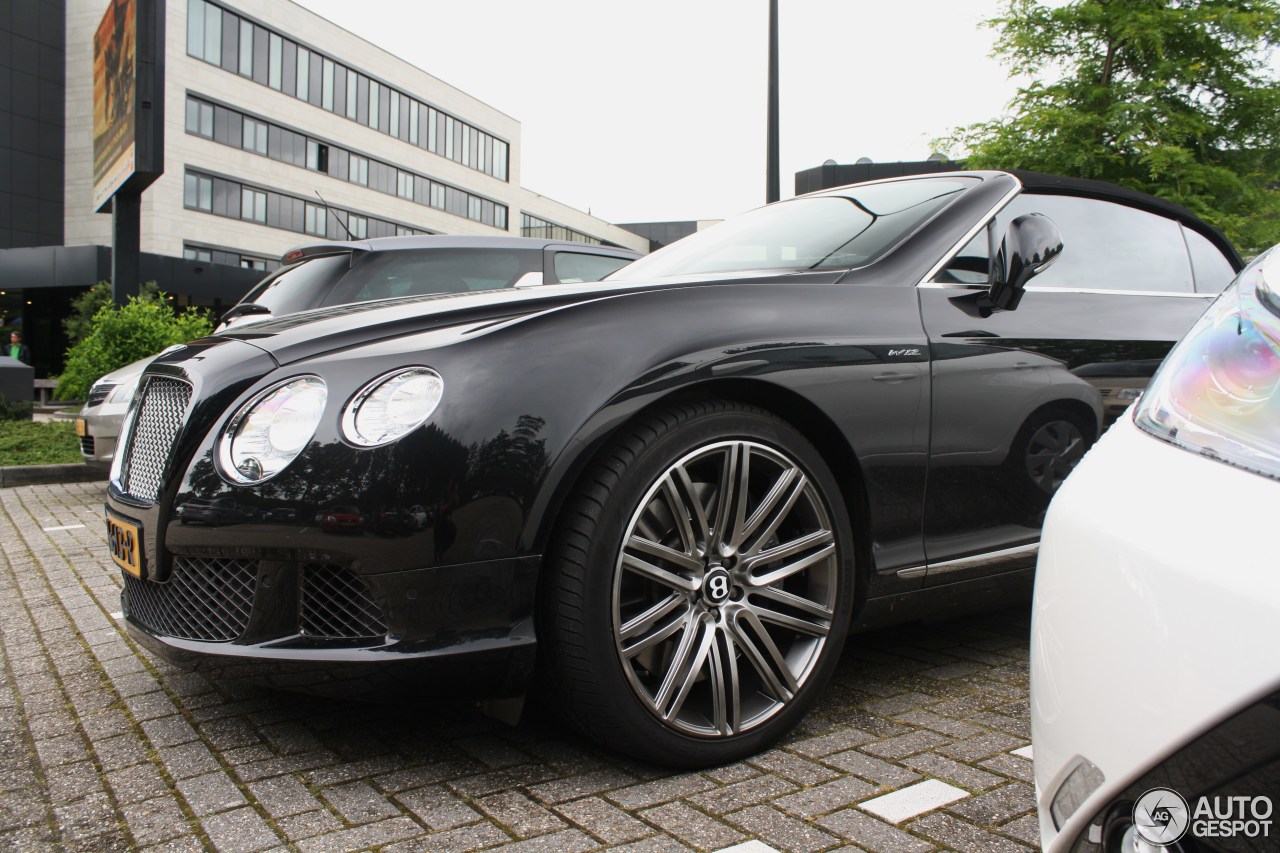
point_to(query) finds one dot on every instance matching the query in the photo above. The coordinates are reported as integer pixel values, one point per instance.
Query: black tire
(754, 609)
(1048, 447)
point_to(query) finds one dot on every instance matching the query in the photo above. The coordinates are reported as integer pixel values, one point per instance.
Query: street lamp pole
(772, 192)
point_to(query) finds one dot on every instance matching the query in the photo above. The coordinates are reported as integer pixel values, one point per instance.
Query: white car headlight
(269, 431)
(1218, 392)
(123, 393)
(391, 406)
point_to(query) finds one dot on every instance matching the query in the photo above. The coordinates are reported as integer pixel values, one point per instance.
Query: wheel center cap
(716, 586)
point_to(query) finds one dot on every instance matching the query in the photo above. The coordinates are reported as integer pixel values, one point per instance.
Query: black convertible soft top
(1039, 182)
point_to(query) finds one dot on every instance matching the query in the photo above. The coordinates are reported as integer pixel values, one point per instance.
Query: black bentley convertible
(669, 495)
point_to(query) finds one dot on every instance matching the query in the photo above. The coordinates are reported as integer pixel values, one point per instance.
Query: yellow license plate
(82, 428)
(124, 539)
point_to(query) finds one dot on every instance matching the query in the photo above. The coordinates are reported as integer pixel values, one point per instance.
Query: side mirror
(1032, 243)
(244, 309)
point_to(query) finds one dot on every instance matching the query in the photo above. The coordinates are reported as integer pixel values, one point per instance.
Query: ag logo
(1161, 816)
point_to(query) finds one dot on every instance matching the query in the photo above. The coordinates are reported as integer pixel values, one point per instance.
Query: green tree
(120, 336)
(1171, 97)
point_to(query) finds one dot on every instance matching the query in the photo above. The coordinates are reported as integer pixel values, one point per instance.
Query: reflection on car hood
(310, 333)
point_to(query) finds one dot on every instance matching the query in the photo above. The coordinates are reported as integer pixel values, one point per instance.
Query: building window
(276, 63)
(253, 264)
(358, 225)
(358, 170)
(404, 184)
(254, 137)
(198, 192)
(246, 49)
(204, 31)
(193, 254)
(317, 156)
(253, 205)
(314, 220)
(200, 118)
(326, 94)
(304, 74)
(352, 80)
(533, 226)
(271, 59)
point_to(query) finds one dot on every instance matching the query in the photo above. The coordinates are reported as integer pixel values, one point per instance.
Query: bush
(34, 443)
(85, 307)
(120, 336)
(15, 411)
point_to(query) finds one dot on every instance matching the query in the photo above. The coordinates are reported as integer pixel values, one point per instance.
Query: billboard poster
(115, 80)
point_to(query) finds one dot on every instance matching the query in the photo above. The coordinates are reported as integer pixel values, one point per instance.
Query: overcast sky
(656, 110)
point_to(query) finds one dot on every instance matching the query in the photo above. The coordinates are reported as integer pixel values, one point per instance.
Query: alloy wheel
(1052, 452)
(725, 588)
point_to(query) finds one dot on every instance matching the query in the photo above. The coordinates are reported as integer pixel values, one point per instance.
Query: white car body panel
(1156, 613)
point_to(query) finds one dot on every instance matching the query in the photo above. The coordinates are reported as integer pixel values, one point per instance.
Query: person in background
(17, 349)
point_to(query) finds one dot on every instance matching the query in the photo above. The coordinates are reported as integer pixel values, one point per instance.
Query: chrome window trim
(941, 285)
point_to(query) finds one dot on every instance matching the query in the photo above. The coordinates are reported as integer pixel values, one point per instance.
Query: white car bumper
(1156, 616)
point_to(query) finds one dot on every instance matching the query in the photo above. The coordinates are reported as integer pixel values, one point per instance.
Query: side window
(576, 266)
(1213, 270)
(1106, 246)
(971, 264)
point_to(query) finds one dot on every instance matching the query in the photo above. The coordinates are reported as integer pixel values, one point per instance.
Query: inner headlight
(269, 431)
(1218, 392)
(391, 406)
(123, 392)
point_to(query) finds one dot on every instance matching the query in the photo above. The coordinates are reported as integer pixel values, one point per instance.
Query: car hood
(311, 333)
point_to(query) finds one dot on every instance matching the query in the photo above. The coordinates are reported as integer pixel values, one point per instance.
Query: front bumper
(321, 628)
(1154, 628)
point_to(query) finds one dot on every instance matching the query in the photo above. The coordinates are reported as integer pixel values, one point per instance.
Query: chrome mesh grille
(207, 600)
(337, 605)
(155, 429)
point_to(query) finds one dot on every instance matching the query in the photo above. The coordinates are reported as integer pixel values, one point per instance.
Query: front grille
(99, 392)
(207, 600)
(337, 605)
(163, 403)
(86, 445)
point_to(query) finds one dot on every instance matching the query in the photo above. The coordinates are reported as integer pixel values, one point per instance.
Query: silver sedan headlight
(1218, 392)
(391, 406)
(269, 431)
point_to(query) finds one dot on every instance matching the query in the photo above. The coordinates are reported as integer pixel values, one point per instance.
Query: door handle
(894, 378)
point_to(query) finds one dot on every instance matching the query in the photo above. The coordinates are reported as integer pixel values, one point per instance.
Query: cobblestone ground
(920, 743)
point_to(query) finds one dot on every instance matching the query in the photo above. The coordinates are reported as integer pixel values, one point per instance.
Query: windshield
(384, 275)
(299, 286)
(842, 229)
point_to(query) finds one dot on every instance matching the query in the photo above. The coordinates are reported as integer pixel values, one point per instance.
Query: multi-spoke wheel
(700, 589)
(1048, 447)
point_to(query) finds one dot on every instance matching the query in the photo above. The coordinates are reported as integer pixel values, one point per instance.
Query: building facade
(279, 128)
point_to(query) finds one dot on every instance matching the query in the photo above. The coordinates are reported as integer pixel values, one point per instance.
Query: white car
(98, 423)
(1155, 651)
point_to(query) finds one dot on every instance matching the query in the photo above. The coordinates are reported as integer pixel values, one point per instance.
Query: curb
(29, 475)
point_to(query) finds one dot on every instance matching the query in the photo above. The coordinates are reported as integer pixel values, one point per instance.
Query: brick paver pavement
(103, 747)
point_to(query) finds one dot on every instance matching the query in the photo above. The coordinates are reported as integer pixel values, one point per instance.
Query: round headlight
(391, 406)
(269, 431)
